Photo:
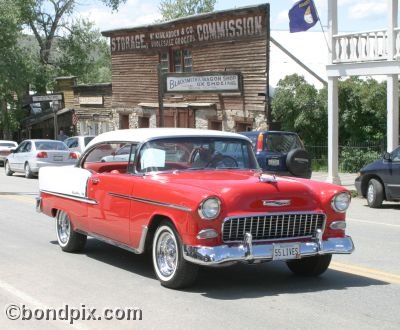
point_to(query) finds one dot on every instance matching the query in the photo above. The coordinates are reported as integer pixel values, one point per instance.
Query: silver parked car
(78, 143)
(5, 149)
(31, 155)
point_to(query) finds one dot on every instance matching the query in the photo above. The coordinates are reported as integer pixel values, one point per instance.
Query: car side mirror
(386, 156)
(13, 150)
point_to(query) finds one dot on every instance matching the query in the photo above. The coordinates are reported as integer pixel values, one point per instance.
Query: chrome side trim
(138, 250)
(247, 252)
(149, 201)
(75, 198)
(393, 185)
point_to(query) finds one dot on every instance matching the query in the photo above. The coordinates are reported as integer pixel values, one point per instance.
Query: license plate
(273, 162)
(58, 158)
(285, 252)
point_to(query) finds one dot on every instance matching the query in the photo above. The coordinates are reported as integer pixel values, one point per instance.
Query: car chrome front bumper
(248, 252)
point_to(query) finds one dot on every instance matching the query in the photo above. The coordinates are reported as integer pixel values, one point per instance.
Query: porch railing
(364, 46)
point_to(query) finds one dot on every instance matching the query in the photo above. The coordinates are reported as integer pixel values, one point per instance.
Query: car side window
(28, 147)
(110, 157)
(21, 147)
(396, 155)
(71, 143)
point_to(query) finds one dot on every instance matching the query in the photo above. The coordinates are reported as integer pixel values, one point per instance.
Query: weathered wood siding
(87, 111)
(135, 75)
(134, 79)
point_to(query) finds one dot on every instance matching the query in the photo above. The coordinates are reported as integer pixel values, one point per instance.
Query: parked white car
(5, 149)
(78, 143)
(31, 155)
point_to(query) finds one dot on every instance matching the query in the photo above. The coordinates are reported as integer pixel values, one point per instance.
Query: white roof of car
(143, 134)
(8, 141)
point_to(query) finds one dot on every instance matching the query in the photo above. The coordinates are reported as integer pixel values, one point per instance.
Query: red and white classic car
(193, 197)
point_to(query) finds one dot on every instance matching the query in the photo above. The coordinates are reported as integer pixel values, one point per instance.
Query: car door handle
(95, 180)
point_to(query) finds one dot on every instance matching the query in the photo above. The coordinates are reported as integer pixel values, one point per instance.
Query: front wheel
(311, 266)
(374, 193)
(171, 269)
(68, 239)
(8, 169)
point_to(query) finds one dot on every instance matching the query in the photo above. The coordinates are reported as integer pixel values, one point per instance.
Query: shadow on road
(234, 282)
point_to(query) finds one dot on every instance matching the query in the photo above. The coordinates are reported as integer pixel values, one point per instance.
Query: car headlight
(341, 202)
(210, 208)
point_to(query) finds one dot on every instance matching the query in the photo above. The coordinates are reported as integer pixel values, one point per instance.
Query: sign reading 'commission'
(217, 27)
(216, 82)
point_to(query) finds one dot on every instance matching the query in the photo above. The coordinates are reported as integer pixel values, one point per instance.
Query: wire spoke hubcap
(166, 254)
(63, 227)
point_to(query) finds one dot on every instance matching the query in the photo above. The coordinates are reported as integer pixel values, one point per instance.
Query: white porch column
(333, 131)
(333, 108)
(392, 121)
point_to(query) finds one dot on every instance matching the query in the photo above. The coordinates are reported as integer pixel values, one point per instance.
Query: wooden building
(233, 41)
(76, 109)
(92, 109)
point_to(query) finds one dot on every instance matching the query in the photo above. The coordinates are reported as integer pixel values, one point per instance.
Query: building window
(176, 60)
(215, 125)
(164, 61)
(144, 122)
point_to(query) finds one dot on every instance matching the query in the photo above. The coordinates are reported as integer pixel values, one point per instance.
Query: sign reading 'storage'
(217, 27)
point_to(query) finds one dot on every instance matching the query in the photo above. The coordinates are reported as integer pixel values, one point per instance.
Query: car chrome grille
(272, 226)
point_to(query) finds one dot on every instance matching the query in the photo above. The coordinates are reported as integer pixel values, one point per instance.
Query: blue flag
(302, 16)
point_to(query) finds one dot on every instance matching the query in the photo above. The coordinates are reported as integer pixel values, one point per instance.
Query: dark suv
(281, 153)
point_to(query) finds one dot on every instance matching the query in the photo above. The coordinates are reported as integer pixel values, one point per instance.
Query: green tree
(15, 68)
(49, 21)
(300, 107)
(362, 110)
(85, 53)
(171, 9)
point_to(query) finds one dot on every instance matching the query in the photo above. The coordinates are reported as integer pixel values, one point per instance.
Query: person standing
(62, 136)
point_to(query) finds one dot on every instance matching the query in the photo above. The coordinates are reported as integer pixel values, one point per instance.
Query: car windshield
(50, 145)
(196, 153)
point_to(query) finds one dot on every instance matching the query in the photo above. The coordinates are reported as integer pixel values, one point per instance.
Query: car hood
(254, 192)
(375, 165)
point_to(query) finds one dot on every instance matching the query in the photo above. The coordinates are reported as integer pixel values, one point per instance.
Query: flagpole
(322, 28)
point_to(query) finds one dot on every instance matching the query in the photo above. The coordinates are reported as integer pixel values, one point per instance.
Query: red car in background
(193, 197)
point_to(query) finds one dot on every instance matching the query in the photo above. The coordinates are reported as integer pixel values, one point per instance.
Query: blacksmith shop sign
(207, 82)
(220, 26)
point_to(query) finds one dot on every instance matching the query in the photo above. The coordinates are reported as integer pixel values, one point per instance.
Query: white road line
(373, 222)
(34, 303)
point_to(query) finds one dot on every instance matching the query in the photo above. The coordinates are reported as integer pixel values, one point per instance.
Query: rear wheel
(28, 172)
(171, 269)
(68, 239)
(311, 266)
(374, 193)
(7, 169)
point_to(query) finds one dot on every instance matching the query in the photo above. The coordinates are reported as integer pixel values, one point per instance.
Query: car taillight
(42, 154)
(260, 143)
(73, 155)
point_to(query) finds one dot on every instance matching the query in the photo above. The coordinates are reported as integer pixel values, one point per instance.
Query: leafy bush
(353, 159)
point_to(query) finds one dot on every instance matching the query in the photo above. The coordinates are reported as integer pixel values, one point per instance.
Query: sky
(354, 15)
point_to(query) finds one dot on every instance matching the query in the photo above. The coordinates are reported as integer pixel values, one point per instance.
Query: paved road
(360, 291)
